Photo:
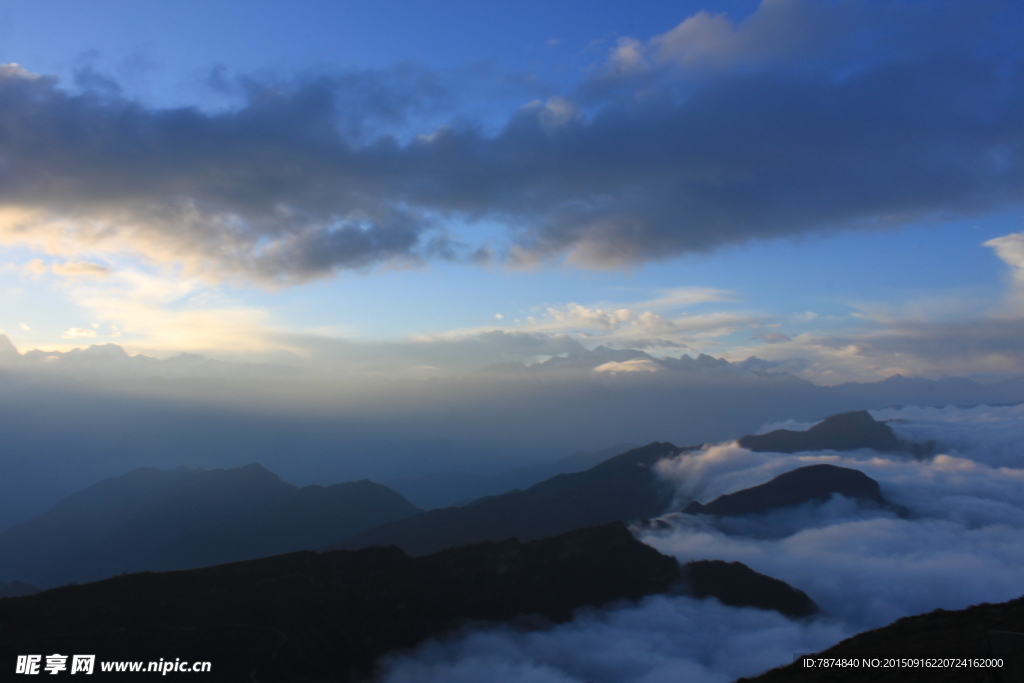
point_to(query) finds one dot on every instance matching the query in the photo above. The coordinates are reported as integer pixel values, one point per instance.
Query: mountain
(112, 361)
(307, 616)
(622, 488)
(445, 489)
(8, 352)
(17, 589)
(604, 359)
(806, 484)
(329, 616)
(151, 519)
(736, 584)
(843, 432)
(626, 488)
(983, 631)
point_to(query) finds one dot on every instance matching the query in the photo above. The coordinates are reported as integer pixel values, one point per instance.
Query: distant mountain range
(626, 488)
(606, 360)
(622, 488)
(158, 520)
(150, 519)
(112, 360)
(527, 557)
(895, 390)
(445, 489)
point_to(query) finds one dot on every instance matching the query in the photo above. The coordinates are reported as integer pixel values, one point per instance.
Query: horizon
(466, 250)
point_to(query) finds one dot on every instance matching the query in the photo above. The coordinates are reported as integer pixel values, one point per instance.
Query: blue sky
(833, 186)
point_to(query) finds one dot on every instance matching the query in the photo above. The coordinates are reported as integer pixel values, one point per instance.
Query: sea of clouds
(959, 545)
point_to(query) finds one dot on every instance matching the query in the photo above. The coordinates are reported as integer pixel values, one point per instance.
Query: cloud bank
(804, 117)
(865, 568)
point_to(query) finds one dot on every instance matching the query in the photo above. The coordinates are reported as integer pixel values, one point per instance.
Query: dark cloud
(711, 136)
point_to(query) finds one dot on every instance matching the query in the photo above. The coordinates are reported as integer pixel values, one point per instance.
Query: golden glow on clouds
(77, 333)
(169, 313)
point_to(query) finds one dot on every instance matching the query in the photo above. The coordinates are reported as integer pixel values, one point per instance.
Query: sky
(834, 186)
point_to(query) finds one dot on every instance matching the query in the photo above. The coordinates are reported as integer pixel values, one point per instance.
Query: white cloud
(1010, 248)
(630, 366)
(680, 297)
(77, 332)
(80, 269)
(631, 326)
(661, 640)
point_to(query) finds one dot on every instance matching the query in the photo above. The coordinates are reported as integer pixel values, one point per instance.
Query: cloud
(165, 312)
(864, 568)
(930, 337)
(637, 365)
(802, 118)
(660, 641)
(681, 297)
(77, 333)
(630, 326)
(69, 269)
(1010, 248)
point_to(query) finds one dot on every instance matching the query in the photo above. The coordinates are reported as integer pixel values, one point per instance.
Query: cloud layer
(803, 117)
(865, 568)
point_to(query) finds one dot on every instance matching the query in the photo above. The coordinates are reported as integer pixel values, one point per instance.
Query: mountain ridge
(175, 519)
(621, 488)
(815, 483)
(311, 616)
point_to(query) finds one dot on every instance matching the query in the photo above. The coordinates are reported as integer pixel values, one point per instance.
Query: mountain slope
(622, 488)
(307, 616)
(445, 489)
(802, 485)
(17, 589)
(982, 631)
(843, 432)
(736, 584)
(150, 519)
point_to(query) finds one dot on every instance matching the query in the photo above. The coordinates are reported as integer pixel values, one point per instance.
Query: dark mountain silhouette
(307, 616)
(984, 631)
(843, 432)
(151, 519)
(17, 589)
(736, 584)
(445, 489)
(806, 484)
(622, 488)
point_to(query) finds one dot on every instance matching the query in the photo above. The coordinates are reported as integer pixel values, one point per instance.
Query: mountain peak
(7, 349)
(842, 432)
(105, 351)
